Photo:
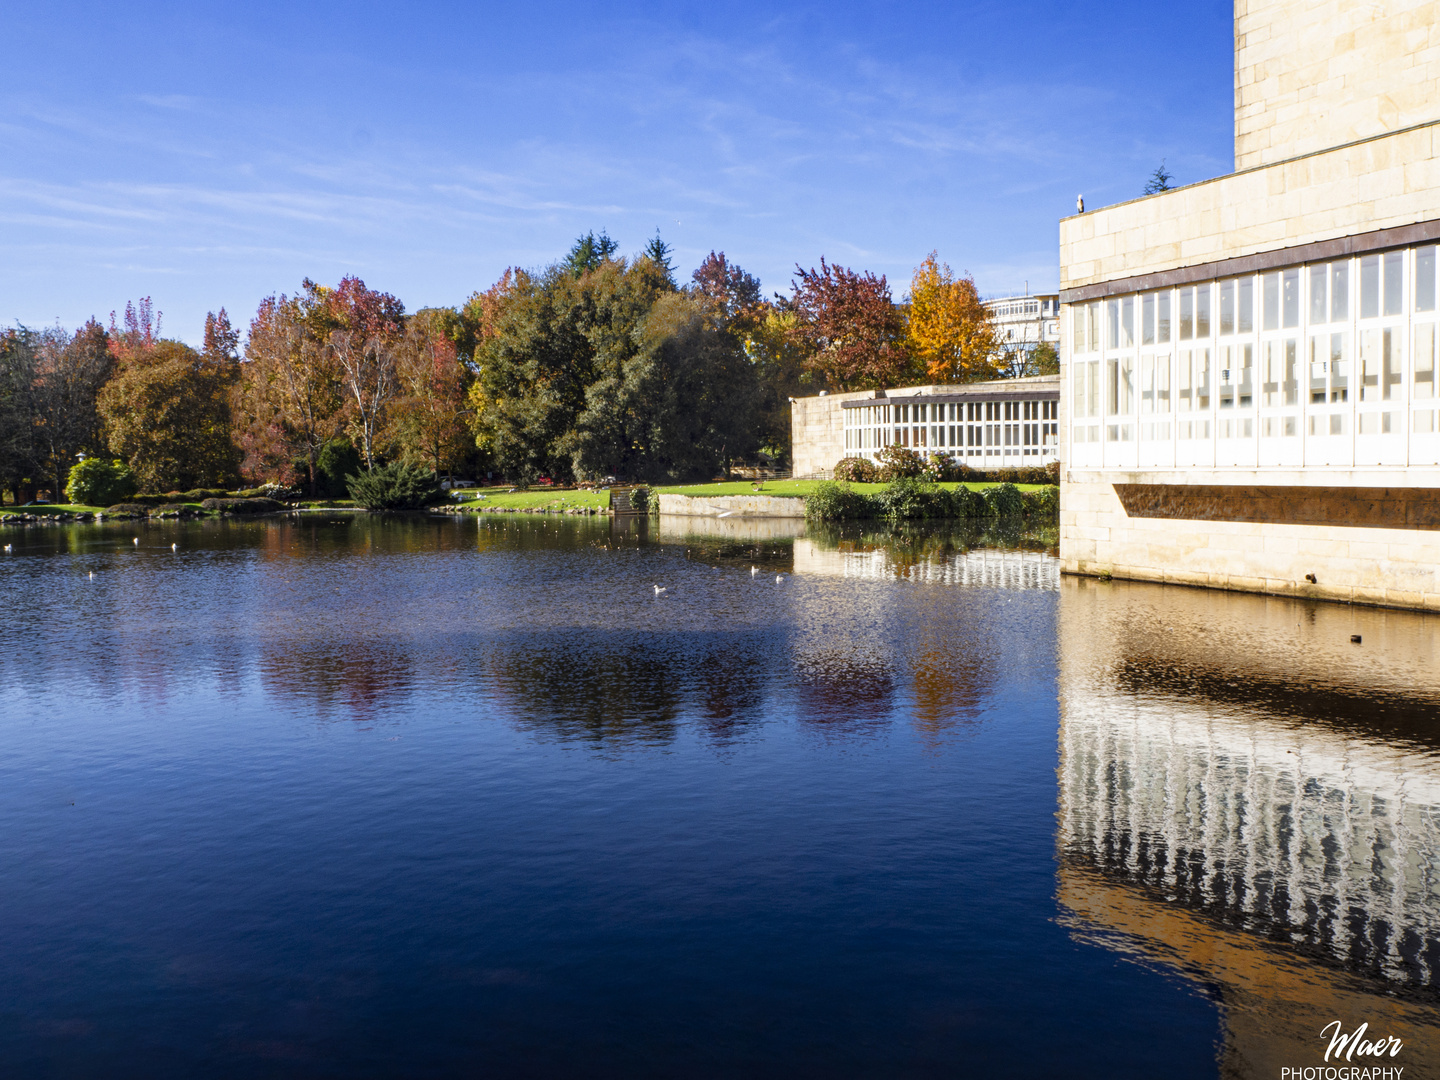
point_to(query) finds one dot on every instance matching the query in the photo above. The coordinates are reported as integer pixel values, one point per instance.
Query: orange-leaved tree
(947, 328)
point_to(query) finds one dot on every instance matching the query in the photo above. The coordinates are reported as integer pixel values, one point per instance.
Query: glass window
(1147, 382)
(1147, 319)
(1290, 287)
(1339, 367)
(1202, 311)
(1183, 386)
(1162, 318)
(1187, 314)
(1369, 287)
(1112, 312)
(1092, 321)
(1425, 357)
(1078, 321)
(1092, 388)
(1162, 384)
(1127, 322)
(1245, 306)
(1227, 307)
(1270, 285)
(1339, 291)
(1319, 275)
(1394, 282)
(1425, 279)
(1202, 378)
(1369, 360)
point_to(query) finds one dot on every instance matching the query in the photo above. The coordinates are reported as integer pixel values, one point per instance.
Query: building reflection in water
(1253, 800)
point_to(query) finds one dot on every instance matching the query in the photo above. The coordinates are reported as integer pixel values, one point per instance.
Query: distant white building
(1023, 322)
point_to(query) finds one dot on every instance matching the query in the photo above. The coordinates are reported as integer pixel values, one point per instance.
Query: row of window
(1268, 301)
(1319, 370)
(922, 412)
(953, 436)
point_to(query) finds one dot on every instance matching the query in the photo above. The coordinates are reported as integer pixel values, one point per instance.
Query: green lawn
(53, 508)
(540, 497)
(564, 500)
(797, 488)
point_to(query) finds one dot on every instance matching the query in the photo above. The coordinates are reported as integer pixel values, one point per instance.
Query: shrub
(1005, 501)
(1027, 474)
(969, 504)
(396, 486)
(854, 470)
(1044, 503)
(915, 497)
(899, 462)
(201, 494)
(97, 482)
(337, 460)
(832, 501)
(243, 506)
(640, 499)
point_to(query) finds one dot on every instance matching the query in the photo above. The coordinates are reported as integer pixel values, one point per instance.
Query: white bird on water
(174, 547)
(754, 570)
(779, 578)
(7, 549)
(659, 589)
(137, 541)
(92, 575)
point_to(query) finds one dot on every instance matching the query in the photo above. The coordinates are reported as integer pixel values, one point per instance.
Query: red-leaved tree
(854, 332)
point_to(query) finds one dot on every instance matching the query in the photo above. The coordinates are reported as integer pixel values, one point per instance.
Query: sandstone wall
(1314, 75)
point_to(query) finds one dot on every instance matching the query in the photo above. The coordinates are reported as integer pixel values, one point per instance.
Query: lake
(352, 796)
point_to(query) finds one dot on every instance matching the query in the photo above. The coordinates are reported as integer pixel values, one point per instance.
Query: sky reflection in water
(356, 797)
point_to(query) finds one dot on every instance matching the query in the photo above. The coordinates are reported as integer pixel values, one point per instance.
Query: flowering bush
(854, 470)
(899, 462)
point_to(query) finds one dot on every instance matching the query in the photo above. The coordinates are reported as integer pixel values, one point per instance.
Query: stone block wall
(1386, 182)
(1311, 75)
(1393, 567)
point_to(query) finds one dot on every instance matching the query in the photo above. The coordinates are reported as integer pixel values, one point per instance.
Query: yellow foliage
(947, 328)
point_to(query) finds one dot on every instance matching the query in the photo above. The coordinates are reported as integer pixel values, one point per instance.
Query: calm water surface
(353, 797)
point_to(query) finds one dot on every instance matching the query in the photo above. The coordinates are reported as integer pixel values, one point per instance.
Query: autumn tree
(70, 370)
(430, 415)
(290, 399)
(855, 332)
(947, 328)
(726, 286)
(366, 326)
(166, 411)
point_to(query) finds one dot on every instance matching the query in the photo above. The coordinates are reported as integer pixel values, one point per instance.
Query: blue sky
(208, 155)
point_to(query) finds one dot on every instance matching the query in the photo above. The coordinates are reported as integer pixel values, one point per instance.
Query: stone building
(1249, 362)
(1004, 424)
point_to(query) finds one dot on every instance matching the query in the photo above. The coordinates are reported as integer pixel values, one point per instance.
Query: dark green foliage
(99, 482)
(1005, 501)
(854, 470)
(613, 373)
(917, 499)
(589, 252)
(831, 501)
(243, 506)
(396, 486)
(337, 460)
(659, 252)
(910, 498)
(1159, 181)
(1044, 503)
(201, 494)
(899, 462)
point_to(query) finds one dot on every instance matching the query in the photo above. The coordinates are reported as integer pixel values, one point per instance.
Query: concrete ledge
(716, 506)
